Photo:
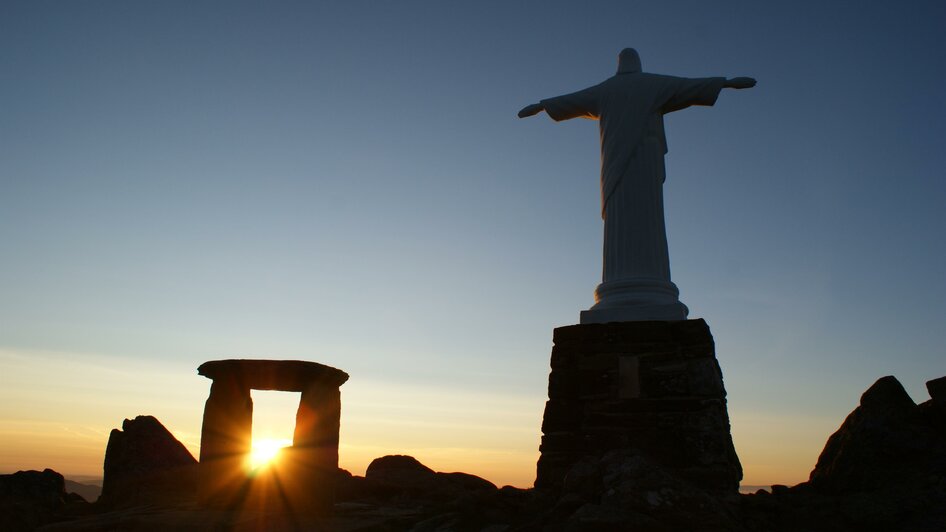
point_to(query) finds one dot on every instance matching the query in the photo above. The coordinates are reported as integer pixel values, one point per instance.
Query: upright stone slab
(304, 480)
(225, 440)
(653, 386)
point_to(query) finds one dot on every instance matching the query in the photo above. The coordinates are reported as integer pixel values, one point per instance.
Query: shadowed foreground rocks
(29, 499)
(884, 469)
(146, 464)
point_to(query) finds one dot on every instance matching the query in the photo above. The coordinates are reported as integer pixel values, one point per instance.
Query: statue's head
(629, 61)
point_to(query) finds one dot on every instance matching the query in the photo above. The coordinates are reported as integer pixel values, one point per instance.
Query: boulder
(626, 490)
(884, 469)
(29, 499)
(888, 441)
(401, 471)
(404, 476)
(146, 464)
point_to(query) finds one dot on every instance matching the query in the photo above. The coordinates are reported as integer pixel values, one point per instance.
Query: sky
(347, 183)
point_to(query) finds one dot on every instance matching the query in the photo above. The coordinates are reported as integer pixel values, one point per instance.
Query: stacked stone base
(654, 387)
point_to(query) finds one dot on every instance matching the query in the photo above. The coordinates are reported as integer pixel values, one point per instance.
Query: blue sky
(348, 183)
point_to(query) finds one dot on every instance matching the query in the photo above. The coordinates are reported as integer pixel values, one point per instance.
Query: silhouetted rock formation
(886, 441)
(403, 476)
(884, 469)
(29, 499)
(400, 493)
(937, 389)
(146, 464)
(626, 490)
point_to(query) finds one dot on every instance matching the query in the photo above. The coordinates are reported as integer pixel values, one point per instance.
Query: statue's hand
(530, 110)
(740, 83)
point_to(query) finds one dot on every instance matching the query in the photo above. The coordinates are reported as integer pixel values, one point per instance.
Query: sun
(265, 451)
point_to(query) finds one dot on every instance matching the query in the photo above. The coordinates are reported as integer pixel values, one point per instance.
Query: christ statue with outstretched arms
(629, 107)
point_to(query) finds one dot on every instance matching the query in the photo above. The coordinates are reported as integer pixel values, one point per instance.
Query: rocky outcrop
(400, 493)
(626, 490)
(29, 499)
(884, 469)
(146, 464)
(397, 474)
(886, 441)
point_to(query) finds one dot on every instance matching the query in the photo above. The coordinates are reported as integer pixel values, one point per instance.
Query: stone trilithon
(305, 476)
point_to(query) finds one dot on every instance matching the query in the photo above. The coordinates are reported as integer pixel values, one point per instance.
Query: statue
(629, 106)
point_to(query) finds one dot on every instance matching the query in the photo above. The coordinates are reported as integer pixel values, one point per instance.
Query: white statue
(630, 105)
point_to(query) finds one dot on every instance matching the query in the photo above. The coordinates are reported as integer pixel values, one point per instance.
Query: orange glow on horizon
(265, 451)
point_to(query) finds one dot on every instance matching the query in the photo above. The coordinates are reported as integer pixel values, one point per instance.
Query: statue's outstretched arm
(739, 83)
(531, 109)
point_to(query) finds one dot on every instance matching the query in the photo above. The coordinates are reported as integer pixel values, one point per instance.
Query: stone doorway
(274, 422)
(305, 479)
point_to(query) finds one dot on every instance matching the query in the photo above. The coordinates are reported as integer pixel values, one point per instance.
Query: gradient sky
(347, 182)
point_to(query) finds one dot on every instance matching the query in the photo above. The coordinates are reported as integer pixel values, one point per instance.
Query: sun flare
(265, 451)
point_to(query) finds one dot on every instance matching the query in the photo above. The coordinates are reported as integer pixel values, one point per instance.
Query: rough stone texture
(399, 475)
(884, 469)
(145, 463)
(653, 387)
(625, 490)
(283, 375)
(399, 470)
(622, 489)
(226, 437)
(304, 479)
(886, 437)
(29, 499)
(439, 502)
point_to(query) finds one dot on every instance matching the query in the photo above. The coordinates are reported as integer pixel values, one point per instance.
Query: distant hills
(87, 490)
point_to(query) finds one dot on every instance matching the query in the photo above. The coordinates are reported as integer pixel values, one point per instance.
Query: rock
(400, 470)
(886, 397)
(410, 492)
(146, 464)
(937, 389)
(884, 469)
(627, 490)
(884, 442)
(584, 479)
(402, 475)
(467, 482)
(29, 499)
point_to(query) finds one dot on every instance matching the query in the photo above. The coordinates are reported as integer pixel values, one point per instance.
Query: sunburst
(265, 451)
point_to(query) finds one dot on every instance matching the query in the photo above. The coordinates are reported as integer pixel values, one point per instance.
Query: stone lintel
(281, 375)
(304, 479)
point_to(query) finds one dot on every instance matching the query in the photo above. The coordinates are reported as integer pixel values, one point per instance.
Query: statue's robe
(630, 108)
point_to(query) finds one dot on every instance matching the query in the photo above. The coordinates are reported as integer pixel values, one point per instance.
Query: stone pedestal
(652, 386)
(303, 480)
